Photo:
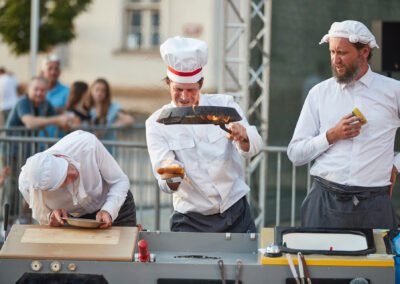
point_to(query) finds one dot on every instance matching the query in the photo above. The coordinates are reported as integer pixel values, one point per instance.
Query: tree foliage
(55, 23)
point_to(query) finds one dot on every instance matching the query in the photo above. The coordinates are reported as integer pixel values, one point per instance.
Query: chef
(348, 125)
(210, 196)
(78, 177)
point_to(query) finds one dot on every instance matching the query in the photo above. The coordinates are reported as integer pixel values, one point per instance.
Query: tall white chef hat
(353, 30)
(185, 58)
(44, 171)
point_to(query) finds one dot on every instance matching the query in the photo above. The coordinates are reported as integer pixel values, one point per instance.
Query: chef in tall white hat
(210, 196)
(348, 125)
(79, 177)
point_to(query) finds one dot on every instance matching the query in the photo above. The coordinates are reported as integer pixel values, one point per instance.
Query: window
(142, 25)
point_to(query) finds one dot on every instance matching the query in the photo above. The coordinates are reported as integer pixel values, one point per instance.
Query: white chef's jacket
(365, 160)
(101, 183)
(213, 164)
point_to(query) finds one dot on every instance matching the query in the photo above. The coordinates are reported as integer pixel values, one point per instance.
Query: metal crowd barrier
(131, 155)
(285, 185)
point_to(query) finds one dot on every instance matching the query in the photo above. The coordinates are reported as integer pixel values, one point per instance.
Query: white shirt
(365, 160)
(8, 91)
(213, 164)
(101, 185)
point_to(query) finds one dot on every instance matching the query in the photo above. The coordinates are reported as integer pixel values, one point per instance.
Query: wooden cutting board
(44, 242)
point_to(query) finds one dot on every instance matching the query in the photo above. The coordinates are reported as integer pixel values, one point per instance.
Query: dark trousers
(126, 215)
(237, 219)
(331, 205)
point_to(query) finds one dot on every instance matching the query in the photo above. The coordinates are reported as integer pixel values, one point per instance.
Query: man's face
(52, 71)
(346, 59)
(185, 94)
(37, 91)
(72, 175)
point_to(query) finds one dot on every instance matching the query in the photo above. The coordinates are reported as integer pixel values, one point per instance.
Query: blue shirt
(58, 96)
(112, 116)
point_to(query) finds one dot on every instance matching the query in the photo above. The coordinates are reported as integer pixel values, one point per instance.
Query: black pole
(5, 224)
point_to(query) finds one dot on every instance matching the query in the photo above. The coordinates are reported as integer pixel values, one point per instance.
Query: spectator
(33, 111)
(8, 93)
(77, 102)
(105, 112)
(57, 93)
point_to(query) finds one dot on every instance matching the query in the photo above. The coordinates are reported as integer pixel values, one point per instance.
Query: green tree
(55, 23)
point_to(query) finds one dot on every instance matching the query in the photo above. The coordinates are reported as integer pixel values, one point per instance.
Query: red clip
(144, 255)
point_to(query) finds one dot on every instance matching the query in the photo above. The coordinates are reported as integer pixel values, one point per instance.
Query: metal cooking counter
(176, 258)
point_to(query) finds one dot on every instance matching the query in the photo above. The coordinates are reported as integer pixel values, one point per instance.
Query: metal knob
(55, 266)
(71, 266)
(36, 265)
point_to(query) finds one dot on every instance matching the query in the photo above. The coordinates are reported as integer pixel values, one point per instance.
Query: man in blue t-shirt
(57, 93)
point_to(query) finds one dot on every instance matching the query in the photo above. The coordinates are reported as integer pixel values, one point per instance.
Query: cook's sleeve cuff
(321, 143)
(164, 186)
(111, 210)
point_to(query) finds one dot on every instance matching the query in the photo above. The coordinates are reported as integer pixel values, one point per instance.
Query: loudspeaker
(390, 46)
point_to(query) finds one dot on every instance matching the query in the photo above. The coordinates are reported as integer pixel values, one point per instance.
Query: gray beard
(349, 76)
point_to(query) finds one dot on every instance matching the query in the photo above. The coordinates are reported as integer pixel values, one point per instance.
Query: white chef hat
(44, 171)
(185, 58)
(353, 30)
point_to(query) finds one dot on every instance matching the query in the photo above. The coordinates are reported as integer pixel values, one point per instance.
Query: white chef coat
(365, 160)
(213, 164)
(101, 183)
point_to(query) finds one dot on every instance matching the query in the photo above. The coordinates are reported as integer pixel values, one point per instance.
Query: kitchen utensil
(238, 274)
(200, 115)
(301, 269)
(305, 268)
(222, 270)
(292, 268)
(83, 223)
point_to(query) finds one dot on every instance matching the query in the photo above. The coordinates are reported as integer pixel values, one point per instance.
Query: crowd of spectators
(52, 108)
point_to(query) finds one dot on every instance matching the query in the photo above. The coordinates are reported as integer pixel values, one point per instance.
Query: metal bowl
(83, 223)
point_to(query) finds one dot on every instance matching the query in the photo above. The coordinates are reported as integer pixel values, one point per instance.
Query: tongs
(303, 269)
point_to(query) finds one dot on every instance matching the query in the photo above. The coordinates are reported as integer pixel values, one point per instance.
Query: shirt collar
(366, 80)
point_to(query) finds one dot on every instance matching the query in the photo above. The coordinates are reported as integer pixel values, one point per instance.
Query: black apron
(126, 215)
(332, 205)
(237, 219)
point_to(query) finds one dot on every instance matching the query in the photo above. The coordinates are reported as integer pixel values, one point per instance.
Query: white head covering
(185, 58)
(353, 30)
(50, 58)
(42, 172)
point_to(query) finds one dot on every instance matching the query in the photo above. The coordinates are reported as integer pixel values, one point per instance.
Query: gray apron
(332, 205)
(126, 215)
(237, 219)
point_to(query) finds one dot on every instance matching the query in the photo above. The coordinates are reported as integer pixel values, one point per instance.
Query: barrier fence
(285, 187)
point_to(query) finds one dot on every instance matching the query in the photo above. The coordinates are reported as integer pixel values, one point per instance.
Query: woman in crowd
(103, 111)
(77, 102)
